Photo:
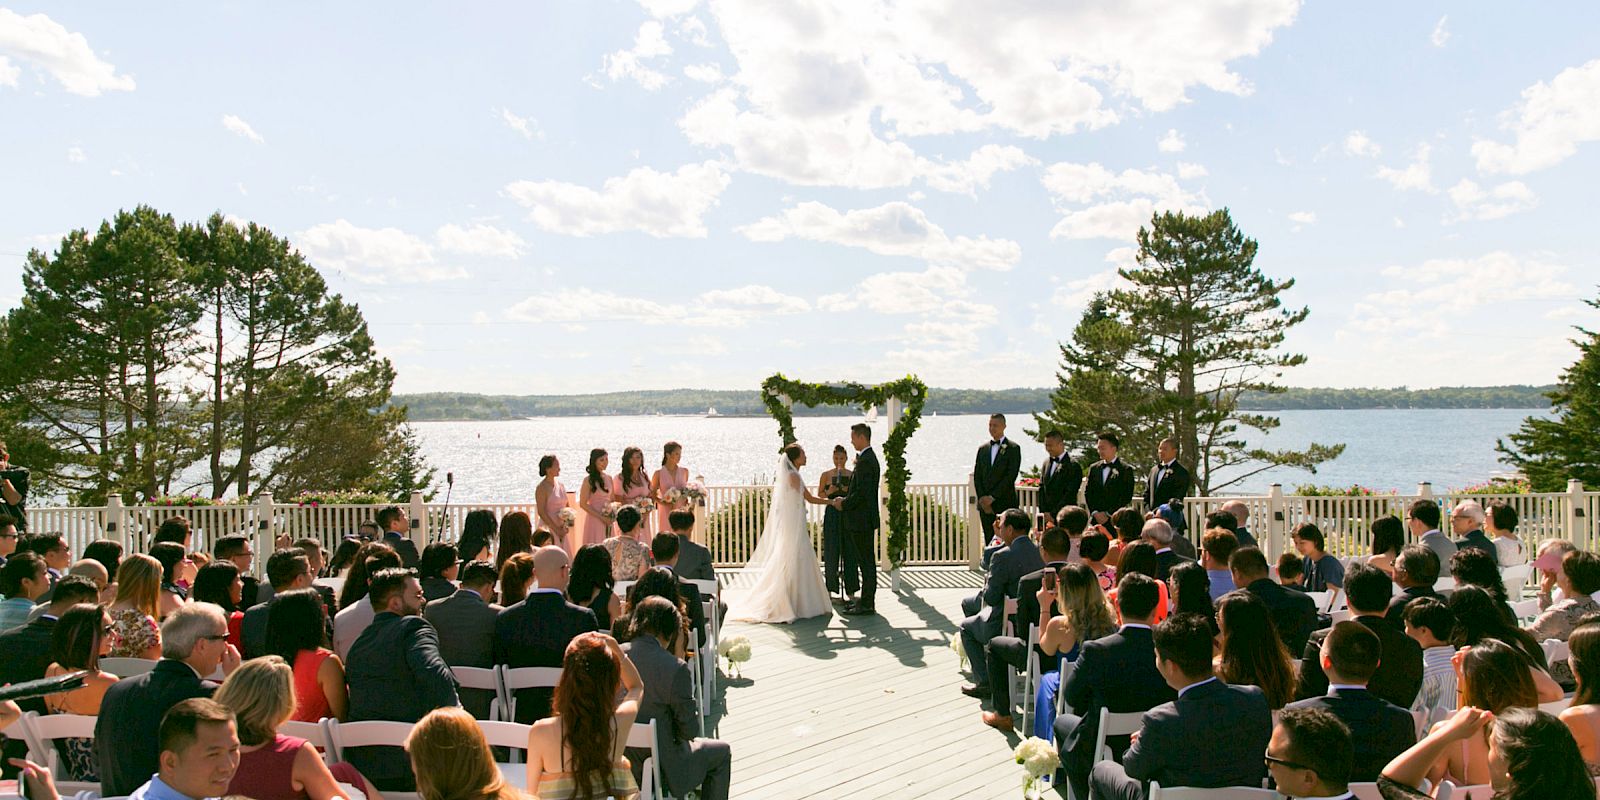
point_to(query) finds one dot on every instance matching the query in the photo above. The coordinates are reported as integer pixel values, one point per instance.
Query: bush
(340, 497)
(1517, 485)
(1353, 490)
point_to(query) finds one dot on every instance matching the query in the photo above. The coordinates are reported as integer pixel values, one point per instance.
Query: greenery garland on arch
(780, 394)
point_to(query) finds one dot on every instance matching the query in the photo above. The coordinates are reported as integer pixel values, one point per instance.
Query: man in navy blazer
(1117, 673)
(1212, 735)
(536, 631)
(395, 527)
(1293, 611)
(1381, 730)
(1397, 678)
(1017, 558)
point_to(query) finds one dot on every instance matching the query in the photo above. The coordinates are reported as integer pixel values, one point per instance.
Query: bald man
(88, 568)
(1241, 513)
(536, 631)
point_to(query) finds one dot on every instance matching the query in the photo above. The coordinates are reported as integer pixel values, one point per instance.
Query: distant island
(465, 406)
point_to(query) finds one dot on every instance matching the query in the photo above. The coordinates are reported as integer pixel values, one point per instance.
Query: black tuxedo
(1117, 673)
(1380, 730)
(1179, 743)
(535, 633)
(1101, 494)
(996, 479)
(126, 747)
(1059, 488)
(861, 521)
(1173, 485)
(1399, 675)
(1293, 612)
(405, 548)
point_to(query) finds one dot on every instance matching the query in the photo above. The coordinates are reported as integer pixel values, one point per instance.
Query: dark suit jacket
(861, 504)
(26, 650)
(1166, 560)
(1380, 730)
(535, 633)
(1108, 496)
(405, 548)
(697, 613)
(1006, 569)
(1179, 744)
(1481, 541)
(669, 701)
(253, 628)
(1173, 486)
(1060, 489)
(1117, 673)
(694, 561)
(1294, 613)
(395, 673)
(250, 596)
(466, 639)
(1245, 537)
(998, 479)
(1397, 606)
(1028, 599)
(1399, 675)
(126, 747)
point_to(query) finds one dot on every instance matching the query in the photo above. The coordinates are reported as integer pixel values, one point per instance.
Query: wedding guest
(633, 488)
(1422, 519)
(594, 497)
(174, 529)
(106, 551)
(452, 759)
(1466, 521)
(1415, 571)
(516, 536)
(1322, 571)
(135, 633)
(516, 578)
(1583, 718)
(1478, 619)
(272, 766)
(590, 584)
(1108, 484)
(1535, 757)
(1216, 547)
(1429, 623)
(1241, 515)
(985, 613)
(1076, 614)
(836, 547)
(659, 581)
(1502, 528)
(84, 568)
(1092, 551)
(8, 537)
(1074, 520)
(80, 638)
(688, 763)
(694, 560)
(1159, 533)
(369, 531)
(218, 583)
(535, 632)
(437, 569)
(1349, 658)
(543, 538)
(994, 473)
(237, 549)
(1578, 579)
(1139, 558)
(672, 475)
(550, 498)
(360, 572)
(1189, 586)
(465, 622)
(1388, 539)
(358, 612)
(1291, 570)
(1473, 566)
(1031, 610)
(629, 556)
(1492, 677)
(196, 750)
(578, 752)
(1548, 563)
(1315, 753)
(396, 529)
(22, 580)
(1250, 651)
(477, 536)
(344, 557)
(1294, 614)
(1129, 525)
(297, 632)
(1399, 677)
(287, 570)
(177, 575)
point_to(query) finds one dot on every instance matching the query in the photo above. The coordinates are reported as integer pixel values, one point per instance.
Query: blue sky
(591, 195)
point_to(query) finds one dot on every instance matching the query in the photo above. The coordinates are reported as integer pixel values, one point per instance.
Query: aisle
(865, 706)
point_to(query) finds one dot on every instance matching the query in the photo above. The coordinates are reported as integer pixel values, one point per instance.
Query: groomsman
(1169, 480)
(1110, 482)
(994, 472)
(1059, 477)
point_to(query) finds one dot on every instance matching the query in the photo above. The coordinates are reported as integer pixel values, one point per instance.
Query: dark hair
(1388, 535)
(1582, 568)
(1425, 512)
(75, 640)
(657, 582)
(1219, 543)
(1319, 741)
(106, 551)
(793, 450)
(658, 617)
(1496, 677)
(542, 538)
(546, 461)
(1001, 418)
(181, 724)
(1290, 565)
(596, 478)
(7, 520)
(1094, 546)
(1504, 516)
(1248, 561)
(387, 515)
(664, 547)
(1137, 595)
(372, 557)
(1368, 589)
(626, 473)
(170, 554)
(628, 518)
(1420, 562)
(668, 449)
(1474, 567)
(296, 621)
(229, 546)
(344, 555)
(477, 534)
(386, 583)
(590, 573)
(436, 558)
(516, 574)
(1480, 618)
(75, 589)
(1432, 614)
(1129, 524)
(479, 573)
(1252, 651)
(1312, 534)
(1193, 589)
(21, 566)
(863, 429)
(1222, 519)
(284, 566)
(213, 583)
(1108, 436)
(1016, 519)
(1055, 540)
(1185, 640)
(516, 536)
(1353, 650)
(1075, 519)
(308, 545)
(586, 700)
(1054, 434)
(681, 521)
(1139, 557)
(1584, 642)
(1542, 758)
(171, 529)
(41, 543)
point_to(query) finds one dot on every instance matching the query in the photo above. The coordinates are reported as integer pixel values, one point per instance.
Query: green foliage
(1500, 486)
(1353, 490)
(1552, 451)
(341, 497)
(780, 393)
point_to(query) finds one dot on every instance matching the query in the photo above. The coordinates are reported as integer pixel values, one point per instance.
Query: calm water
(497, 461)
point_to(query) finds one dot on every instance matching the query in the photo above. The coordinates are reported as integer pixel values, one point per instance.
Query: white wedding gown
(788, 584)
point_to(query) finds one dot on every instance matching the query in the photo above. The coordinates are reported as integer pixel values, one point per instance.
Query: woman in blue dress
(1074, 612)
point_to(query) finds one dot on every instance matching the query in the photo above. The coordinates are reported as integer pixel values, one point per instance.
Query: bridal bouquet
(610, 514)
(961, 652)
(736, 649)
(1038, 759)
(645, 505)
(568, 517)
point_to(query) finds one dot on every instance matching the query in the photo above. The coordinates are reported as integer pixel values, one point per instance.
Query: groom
(860, 508)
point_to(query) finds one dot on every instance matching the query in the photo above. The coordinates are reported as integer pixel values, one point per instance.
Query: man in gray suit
(1423, 517)
(694, 560)
(465, 622)
(1017, 557)
(687, 763)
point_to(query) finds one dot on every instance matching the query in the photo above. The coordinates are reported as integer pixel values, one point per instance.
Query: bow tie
(997, 442)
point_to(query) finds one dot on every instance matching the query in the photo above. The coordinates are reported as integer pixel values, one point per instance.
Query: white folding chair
(41, 733)
(1516, 579)
(708, 675)
(1009, 611)
(314, 732)
(514, 737)
(1336, 601)
(1224, 793)
(1115, 724)
(1443, 585)
(710, 591)
(1556, 651)
(620, 588)
(127, 667)
(1320, 600)
(514, 678)
(1477, 791)
(1557, 706)
(369, 733)
(487, 678)
(1061, 689)
(1029, 679)
(1525, 610)
(643, 735)
(1342, 615)
(336, 584)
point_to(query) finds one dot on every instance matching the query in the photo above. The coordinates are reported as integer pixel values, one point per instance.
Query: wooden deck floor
(864, 706)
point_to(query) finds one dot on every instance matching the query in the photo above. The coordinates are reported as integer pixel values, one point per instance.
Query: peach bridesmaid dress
(666, 481)
(640, 489)
(594, 521)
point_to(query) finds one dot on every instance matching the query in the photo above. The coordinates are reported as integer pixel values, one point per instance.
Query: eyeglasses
(215, 637)
(8, 536)
(1271, 759)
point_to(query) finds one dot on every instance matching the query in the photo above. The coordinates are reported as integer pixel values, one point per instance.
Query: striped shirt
(1438, 695)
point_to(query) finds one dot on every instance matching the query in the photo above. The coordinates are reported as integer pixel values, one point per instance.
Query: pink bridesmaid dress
(636, 492)
(666, 482)
(553, 503)
(594, 521)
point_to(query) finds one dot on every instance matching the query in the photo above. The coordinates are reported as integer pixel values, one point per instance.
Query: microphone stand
(444, 515)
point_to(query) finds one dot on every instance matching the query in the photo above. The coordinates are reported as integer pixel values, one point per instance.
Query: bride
(789, 583)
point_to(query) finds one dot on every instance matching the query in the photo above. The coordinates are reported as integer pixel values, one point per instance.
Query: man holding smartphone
(1054, 546)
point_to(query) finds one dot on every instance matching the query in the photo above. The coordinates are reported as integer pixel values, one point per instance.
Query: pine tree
(1552, 451)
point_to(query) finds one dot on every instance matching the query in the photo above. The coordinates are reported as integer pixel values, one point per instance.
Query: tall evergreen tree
(1552, 451)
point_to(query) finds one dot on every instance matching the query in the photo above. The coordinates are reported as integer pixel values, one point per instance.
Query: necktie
(1050, 470)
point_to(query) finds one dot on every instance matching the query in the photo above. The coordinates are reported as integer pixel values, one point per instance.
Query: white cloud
(527, 126)
(755, 296)
(75, 155)
(892, 229)
(704, 73)
(480, 240)
(718, 308)
(1172, 143)
(45, 45)
(242, 128)
(1189, 171)
(1418, 175)
(1440, 35)
(1473, 202)
(1075, 295)
(662, 204)
(1549, 124)
(1433, 299)
(668, 8)
(1356, 143)
(629, 64)
(948, 324)
(966, 177)
(373, 255)
(1303, 217)
(1121, 202)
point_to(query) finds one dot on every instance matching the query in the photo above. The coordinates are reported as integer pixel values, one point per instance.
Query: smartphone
(1050, 580)
(1042, 520)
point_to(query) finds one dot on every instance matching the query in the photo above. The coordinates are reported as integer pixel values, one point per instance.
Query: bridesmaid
(632, 486)
(670, 476)
(549, 497)
(595, 496)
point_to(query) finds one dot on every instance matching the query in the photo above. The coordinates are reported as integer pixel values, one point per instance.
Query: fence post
(113, 522)
(1276, 523)
(1578, 524)
(266, 538)
(975, 532)
(419, 520)
(1425, 491)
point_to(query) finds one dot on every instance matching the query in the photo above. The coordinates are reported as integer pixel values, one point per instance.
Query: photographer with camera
(13, 489)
